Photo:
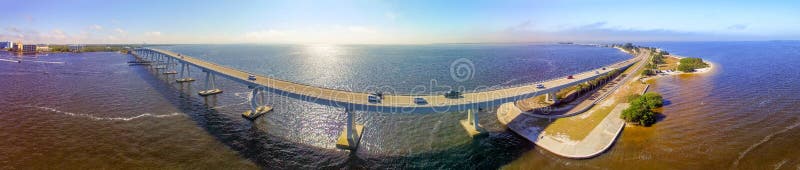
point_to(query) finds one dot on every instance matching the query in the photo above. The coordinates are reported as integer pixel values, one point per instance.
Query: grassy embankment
(578, 127)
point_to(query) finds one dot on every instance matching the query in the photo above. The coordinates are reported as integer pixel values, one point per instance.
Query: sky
(394, 22)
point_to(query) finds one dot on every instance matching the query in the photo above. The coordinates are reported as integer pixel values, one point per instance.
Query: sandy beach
(708, 69)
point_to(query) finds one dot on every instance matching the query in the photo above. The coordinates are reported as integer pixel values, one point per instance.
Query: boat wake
(34, 61)
(13, 61)
(759, 143)
(47, 62)
(107, 118)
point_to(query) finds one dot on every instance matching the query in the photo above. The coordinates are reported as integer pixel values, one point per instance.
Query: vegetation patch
(641, 108)
(690, 64)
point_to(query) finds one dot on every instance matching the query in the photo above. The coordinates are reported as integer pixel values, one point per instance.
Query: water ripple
(759, 143)
(107, 118)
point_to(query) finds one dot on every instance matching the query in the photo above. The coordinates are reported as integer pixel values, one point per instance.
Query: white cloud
(152, 34)
(96, 27)
(56, 34)
(121, 31)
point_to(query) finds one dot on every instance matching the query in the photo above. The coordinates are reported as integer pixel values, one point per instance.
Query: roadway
(391, 102)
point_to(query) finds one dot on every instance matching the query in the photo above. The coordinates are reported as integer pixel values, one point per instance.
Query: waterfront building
(43, 48)
(16, 47)
(6, 44)
(75, 47)
(24, 49)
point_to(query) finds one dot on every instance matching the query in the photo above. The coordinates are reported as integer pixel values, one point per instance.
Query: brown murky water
(93, 111)
(60, 112)
(744, 115)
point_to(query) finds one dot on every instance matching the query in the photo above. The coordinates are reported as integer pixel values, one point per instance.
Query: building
(75, 47)
(43, 48)
(28, 49)
(16, 47)
(6, 44)
(24, 49)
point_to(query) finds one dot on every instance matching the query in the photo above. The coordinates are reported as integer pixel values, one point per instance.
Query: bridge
(359, 101)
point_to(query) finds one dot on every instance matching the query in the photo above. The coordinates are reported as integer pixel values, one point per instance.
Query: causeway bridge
(358, 101)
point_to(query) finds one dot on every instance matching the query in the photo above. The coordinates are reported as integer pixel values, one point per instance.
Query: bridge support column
(257, 106)
(471, 123)
(351, 134)
(552, 97)
(170, 66)
(159, 60)
(187, 77)
(210, 80)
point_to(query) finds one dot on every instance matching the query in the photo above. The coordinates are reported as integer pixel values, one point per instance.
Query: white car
(541, 86)
(374, 99)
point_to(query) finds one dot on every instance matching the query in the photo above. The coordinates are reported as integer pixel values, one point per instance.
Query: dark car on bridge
(420, 101)
(453, 95)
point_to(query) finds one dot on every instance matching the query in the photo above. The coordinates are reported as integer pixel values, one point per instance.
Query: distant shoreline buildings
(20, 48)
(6, 44)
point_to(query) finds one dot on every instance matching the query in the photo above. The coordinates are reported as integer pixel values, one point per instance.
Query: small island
(662, 63)
(690, 64)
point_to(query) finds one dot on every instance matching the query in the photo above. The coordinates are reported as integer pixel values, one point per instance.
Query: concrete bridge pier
(170, 66)
(257, 103)
(187, 77)
(159, 60)
(212, 89)
(351, 134)
(551, 97)
(471, 124)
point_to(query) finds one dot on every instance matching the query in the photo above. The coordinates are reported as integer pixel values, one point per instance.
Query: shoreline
(699, 71)
(597, 141)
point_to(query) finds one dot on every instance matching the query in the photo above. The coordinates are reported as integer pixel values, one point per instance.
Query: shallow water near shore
(743, 114)
(94, 111)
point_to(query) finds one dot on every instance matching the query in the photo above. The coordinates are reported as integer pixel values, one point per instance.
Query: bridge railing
(491, 88)
(624, 62)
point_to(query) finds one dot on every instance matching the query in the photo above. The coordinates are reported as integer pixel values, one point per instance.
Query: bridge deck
(359, 100)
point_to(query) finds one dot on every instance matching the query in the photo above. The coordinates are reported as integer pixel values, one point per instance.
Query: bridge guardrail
(327, 88)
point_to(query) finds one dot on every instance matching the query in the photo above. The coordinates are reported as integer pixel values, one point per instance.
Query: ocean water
(403, 69)
(742, 115)
(92, 110)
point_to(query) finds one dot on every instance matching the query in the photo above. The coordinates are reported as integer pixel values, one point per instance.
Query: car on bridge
(570, 77)
(375, 97)
(540, 86)
(420, 101)
(251, 77)
(453, 94)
